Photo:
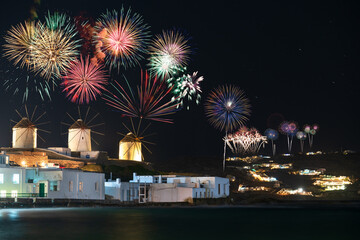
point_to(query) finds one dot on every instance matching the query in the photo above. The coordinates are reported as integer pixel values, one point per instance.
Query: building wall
(57, 182)
(29, 159)
(6, 180)
(24, 138)
(72, 182)
(79, 140)
(123, 191)
(130, 151)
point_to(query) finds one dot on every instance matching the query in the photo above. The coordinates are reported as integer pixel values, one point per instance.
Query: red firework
(153, 100)
(84, 81)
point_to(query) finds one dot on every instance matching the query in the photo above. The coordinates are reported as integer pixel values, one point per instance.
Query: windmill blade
(40, 117)
(18, 113)
(26, 111)
(79, 112)
(43, 123)
(71, 117)
(42, 130)
(64, 123)
(147, 149)
(33, 114)
(96, 125)
(87, 113)
(99, 133)
(93, 118)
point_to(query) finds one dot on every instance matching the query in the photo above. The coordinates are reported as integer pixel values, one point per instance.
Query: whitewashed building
(168, 188)
(123, 191)
(53, 183)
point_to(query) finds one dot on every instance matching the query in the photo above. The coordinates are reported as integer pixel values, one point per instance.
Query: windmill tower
(130, 148)
(26, 131)
(81, 132)
(24, 134)
(79, 137)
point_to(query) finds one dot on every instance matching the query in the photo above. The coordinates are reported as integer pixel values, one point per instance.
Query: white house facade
(53, 183)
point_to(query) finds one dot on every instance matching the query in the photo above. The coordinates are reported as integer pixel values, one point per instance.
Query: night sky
(295, 60)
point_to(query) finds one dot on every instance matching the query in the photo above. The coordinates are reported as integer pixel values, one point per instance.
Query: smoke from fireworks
(84, 81)
(227, 108)
(121, 38)
(168, 51)
(151, 103)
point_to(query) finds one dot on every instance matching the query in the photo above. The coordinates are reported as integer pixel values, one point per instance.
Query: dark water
(180, 223)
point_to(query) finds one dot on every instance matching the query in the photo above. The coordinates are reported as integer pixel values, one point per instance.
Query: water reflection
(174, 223)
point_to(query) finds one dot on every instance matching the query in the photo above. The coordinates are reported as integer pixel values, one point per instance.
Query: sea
(140, 223)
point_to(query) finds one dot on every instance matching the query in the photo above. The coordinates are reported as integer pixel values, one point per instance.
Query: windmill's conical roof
(24, 123)
(130, 137)
(79, 124)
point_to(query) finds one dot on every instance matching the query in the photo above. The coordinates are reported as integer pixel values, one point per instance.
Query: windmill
(26, 131)
(130, 147)
(83, 127)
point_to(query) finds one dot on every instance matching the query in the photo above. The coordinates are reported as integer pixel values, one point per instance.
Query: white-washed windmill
(132, 145)
(26, 131)
(83, 128)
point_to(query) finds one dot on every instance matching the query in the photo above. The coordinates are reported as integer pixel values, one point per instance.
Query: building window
(3, 193)
(14, 193)
(71, 186)
(53, 185)
(16, 178)
(96, 186)
(81, 186)
(219, 189)
(1, 178)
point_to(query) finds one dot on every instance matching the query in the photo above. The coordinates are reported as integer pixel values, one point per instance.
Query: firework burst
(168, 52)
(191, 89)
(53, 51)
(19, 44)
(151, 103)
(245, 141)
(84, 81)
(227, 108)
(121, 38)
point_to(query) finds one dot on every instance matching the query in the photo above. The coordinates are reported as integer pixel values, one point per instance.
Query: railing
(22, 195)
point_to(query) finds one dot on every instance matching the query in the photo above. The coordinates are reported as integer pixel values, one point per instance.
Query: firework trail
(152, 101)
(301, 136)
(20, 82)
(272, 135)
(289, 129)
(84, 81)
(121, 38)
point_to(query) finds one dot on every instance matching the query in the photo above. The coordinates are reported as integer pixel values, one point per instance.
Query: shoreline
(73, 203)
